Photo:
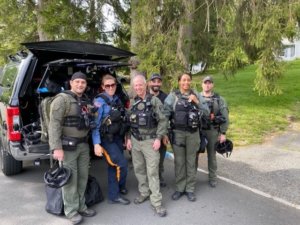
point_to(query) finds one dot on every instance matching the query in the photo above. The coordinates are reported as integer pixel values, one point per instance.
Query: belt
(141, 137)
(191, 130)
(211, 128)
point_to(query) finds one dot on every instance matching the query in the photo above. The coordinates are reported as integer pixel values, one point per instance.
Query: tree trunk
(41, 20)
(185, 33)
(134, 18)
(92, 30)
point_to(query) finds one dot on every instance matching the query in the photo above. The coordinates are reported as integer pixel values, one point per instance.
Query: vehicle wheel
(9, 165)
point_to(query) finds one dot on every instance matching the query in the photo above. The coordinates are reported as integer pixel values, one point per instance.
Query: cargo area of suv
(45, 71)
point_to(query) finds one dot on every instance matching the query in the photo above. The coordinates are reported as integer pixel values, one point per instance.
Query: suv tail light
(13, 124)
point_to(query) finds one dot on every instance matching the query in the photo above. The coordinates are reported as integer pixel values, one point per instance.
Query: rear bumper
(24, 153)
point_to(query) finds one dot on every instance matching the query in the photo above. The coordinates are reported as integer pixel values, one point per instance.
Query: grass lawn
(253, 117)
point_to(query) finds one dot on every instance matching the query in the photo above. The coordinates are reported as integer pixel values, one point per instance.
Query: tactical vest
(215, 118)
(142, 114)
(80, 117)
(186, 115)
(115, 122)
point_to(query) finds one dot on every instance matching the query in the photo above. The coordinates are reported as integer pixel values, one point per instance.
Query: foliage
(252, 117)
(30, 20)
(17, 24)
(227, 35)
(67, 20)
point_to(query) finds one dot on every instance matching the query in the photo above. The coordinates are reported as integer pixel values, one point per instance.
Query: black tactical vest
(142, 114)
(81, 113)
(186, 115)
(115, 122)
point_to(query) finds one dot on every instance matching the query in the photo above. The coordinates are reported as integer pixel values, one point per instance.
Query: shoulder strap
(67, 101)
(104, 97)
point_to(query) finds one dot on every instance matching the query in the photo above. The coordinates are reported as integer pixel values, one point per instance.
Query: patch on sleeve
(97, 104)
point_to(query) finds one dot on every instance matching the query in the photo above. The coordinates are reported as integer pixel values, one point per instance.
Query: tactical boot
(76, 219)
(213, 183)
(160, 210)
(140, 199)
(191, 196)
(88, 213)
(120, 200)
(177, 195)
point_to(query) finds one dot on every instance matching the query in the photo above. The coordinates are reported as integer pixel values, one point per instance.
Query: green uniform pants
(185, 146)
(212, 138)
(162, 152)
(73, 191)
(145, 163)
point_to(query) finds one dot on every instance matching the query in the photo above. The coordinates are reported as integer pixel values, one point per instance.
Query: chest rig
(143, 117)
(81, 113)
(115, 122)
(215, 118)
(186, 115)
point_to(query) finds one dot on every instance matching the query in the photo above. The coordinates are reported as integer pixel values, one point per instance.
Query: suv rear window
(7, 79)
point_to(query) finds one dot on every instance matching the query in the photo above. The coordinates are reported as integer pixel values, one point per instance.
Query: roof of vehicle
(76, 49)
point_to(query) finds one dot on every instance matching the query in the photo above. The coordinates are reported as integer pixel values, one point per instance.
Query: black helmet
(225, 147)
(31, 133)
(57, 177)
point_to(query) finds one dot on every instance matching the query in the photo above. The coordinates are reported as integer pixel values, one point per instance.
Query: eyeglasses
(107, 86)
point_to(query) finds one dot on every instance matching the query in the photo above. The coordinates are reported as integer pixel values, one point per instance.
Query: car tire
(9, 165)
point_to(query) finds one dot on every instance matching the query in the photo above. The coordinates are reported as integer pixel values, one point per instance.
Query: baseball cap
(208, 78)
(78, 75)
(155, 76)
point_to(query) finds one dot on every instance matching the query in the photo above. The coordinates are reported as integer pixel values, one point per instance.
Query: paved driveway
(22, 201)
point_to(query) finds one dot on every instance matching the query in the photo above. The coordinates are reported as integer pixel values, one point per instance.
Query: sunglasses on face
(107, 86)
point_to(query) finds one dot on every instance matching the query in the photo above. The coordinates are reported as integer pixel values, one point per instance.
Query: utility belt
(188, 129)
(143, 137)
(211, 127)
(70, 143)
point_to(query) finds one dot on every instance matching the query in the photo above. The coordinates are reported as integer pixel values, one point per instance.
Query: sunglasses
(107, 86)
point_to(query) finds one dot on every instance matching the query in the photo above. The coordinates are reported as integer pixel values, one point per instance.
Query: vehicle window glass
(7, 79)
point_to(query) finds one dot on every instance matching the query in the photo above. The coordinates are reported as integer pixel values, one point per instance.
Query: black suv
(44, 71)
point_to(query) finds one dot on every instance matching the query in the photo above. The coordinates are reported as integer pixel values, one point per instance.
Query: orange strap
(110, 162)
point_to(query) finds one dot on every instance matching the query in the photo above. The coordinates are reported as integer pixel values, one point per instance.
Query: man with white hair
(147, 127)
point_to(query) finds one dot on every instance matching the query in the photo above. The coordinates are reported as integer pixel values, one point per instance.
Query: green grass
(254, 117)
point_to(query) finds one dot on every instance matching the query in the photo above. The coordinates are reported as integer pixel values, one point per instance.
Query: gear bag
(93, 193)
(44, 110)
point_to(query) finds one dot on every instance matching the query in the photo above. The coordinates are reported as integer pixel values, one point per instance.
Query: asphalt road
(22, 201)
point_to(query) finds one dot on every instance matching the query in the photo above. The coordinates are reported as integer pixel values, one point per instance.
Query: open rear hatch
(76, 49)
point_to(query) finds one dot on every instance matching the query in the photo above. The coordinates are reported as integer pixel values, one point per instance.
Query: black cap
(78, 75)
(155, 76)
(208, 78)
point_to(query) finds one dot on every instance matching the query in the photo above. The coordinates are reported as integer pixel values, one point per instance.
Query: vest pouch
(115, 116)
(69, 143)
(193, 120)
(142, 120)
(180, 119)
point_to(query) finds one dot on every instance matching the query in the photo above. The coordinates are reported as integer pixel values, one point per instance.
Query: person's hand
(165, 140)
(98, 150)
(58, 154)
(193, 98)
(222, 138)
(156, 145)
(129, 144)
